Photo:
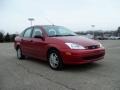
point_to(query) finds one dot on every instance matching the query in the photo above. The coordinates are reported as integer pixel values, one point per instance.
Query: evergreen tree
(13, 37)
(7, 37)
(1, 37)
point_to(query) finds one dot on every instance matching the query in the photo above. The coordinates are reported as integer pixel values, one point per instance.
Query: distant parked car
(57, 45)
(88, 36)
(101, 38)
(114, 38)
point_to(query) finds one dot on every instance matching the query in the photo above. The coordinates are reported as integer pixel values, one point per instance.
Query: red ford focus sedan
(57, 45)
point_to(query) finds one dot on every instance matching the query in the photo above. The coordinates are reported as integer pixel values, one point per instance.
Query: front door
(38, 44)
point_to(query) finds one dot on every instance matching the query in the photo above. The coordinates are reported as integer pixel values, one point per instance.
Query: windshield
(53, 31)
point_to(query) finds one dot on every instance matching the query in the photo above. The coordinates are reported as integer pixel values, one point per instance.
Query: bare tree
(118, 31)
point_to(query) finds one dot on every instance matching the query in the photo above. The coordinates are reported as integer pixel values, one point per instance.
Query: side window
(27, 33)
(37, 32)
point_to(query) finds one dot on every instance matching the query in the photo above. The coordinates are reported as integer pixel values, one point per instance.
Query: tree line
(101, 33)
(10, 37)
(7, 37)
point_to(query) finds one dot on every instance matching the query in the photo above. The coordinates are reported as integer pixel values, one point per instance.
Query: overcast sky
(74, 14)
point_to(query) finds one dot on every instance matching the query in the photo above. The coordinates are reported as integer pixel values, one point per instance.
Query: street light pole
(31, 20)
(93, 31)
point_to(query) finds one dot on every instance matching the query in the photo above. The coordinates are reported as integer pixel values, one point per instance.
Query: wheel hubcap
(19, 53)
(54, 61)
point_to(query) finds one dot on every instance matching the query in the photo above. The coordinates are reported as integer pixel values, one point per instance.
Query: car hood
(78, 39)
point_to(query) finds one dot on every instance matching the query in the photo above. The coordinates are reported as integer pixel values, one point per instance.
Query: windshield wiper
(69, 35)
(62, 35)
(55, 35)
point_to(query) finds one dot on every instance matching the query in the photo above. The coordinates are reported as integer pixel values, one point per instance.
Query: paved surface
(31, 74)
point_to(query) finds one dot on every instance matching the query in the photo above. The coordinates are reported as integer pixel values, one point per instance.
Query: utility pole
(31, 20)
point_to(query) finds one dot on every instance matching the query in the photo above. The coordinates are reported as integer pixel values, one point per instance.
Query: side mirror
(39, 36)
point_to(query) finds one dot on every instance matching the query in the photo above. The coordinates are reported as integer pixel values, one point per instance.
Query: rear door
(26, 42)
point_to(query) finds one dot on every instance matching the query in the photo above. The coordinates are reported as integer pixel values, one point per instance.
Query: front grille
(94, 57)
(92, 47)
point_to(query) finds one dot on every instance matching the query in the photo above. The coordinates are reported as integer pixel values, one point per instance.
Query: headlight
(74, 46)
(101, 46)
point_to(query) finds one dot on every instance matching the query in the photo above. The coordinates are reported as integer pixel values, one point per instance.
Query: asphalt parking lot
(32, 74)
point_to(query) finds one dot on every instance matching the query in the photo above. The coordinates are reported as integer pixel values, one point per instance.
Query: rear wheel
(55, 61)
(19, 54)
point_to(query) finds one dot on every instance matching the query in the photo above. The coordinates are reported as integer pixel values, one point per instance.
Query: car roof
(43, 25)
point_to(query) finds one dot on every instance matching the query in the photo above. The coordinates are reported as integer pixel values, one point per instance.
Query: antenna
(49, 21)
(46, 18)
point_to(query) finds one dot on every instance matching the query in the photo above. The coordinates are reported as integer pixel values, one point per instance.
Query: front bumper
(82, 56)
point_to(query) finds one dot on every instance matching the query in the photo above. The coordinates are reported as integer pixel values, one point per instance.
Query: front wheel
(19, 54)
(55, 61)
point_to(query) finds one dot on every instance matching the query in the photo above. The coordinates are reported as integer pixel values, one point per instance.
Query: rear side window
(27, 33)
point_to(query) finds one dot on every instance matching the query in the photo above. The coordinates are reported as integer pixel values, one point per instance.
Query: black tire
(20, 56)
(59, 63)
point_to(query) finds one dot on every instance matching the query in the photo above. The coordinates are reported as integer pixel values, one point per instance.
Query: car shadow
(73, 68)
(82, 67)
(38, 61)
